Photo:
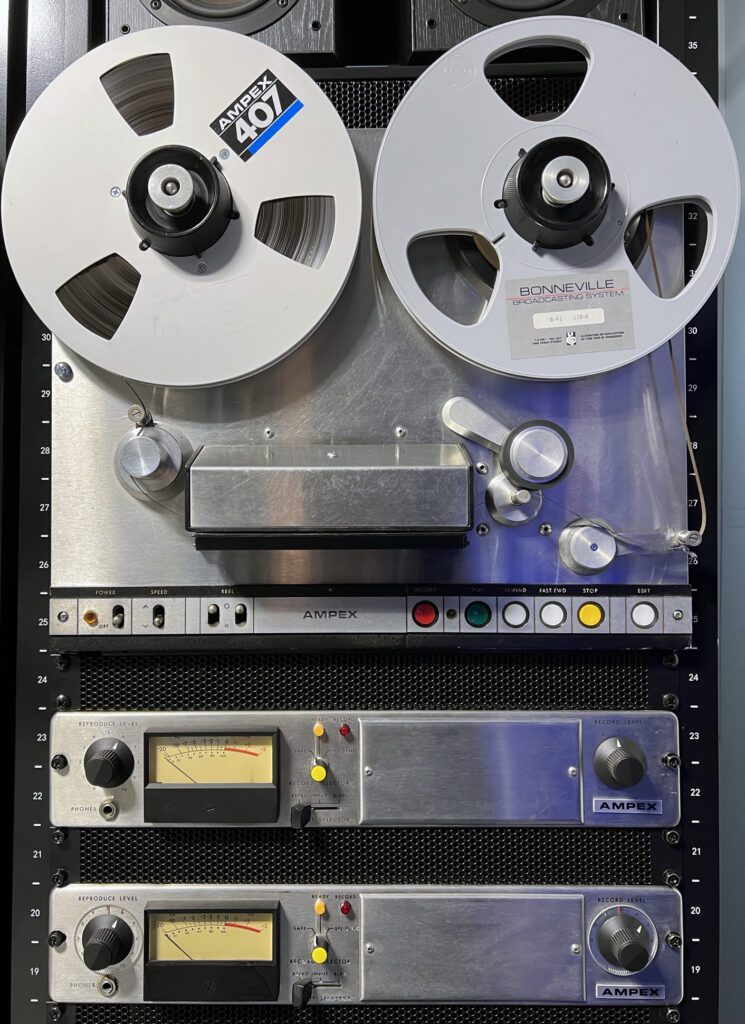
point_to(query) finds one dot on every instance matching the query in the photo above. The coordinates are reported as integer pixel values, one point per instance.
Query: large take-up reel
(552, 218)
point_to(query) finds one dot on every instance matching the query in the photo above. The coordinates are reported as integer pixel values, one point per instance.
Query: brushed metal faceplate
(408, 944)
(397, 768)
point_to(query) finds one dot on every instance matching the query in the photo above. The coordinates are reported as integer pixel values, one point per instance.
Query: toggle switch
(319, 954)
(319, 770)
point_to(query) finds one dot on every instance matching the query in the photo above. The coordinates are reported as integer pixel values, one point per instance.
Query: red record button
(425, 614)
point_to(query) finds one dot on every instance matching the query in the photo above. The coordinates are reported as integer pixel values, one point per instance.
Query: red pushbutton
(425, 614)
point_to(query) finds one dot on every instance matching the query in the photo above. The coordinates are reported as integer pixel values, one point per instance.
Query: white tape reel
(261, 283)
(445, 170)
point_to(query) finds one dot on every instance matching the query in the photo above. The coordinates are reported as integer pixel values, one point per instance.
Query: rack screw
(671, 1014)
(671, 836)
(674, 940)
(55, 1012)
(58, 836)
(671, 760)
(670, 702)
(56, 939)
(59, 762)
(62, 702)
(671, 878)
(60, 878)
(63, 371)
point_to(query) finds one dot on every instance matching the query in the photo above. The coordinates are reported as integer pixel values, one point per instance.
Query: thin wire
(679, 393)
(147, 415)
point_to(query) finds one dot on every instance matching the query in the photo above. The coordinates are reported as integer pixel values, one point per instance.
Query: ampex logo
(606, 805)
(255, 117)
(629, 992)
(333, 613)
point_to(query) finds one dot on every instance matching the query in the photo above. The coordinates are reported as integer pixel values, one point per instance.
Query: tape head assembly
(556, 213)
(200, 202)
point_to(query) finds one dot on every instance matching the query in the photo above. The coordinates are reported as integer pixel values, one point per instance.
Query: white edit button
(644, 615)
(515, 615)
(553, 615)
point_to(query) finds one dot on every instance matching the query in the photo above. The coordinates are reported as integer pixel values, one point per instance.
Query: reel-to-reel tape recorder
(367, 503)
(443, 348)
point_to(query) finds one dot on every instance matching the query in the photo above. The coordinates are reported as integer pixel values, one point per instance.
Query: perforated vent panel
(374, 680)
(370, 103)
(479, 856)
(364, 1015)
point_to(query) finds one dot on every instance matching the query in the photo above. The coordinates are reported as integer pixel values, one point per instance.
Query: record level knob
(620, 763)
(108, 762)
(107, 940)
(625, 943)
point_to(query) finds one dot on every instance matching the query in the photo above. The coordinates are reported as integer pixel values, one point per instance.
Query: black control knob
(108, 762)
(107, 940)
(625, 943)
(620, 763)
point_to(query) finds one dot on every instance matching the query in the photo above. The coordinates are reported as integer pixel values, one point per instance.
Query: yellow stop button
(591, 615)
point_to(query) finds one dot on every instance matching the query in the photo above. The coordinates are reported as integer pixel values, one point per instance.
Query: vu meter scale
(235, 937)
(204, 760)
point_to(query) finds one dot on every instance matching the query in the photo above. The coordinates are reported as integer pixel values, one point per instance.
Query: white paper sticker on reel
(523, 244)
(182, 206)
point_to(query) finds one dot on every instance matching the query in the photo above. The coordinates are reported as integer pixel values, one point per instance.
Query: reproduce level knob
(624, 943)
(108, 762)
(107, 940)
(620, 763)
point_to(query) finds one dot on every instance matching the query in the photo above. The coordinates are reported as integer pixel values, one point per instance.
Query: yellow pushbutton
(591, 615)
(319, 771)
(320, 952)
(319, 730)
(320, 908)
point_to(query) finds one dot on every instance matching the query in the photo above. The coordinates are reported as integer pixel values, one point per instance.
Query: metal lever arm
(466, 419)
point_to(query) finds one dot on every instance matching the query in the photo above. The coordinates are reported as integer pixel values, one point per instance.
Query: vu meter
(212, 778)
(222, 956)
(209, 760)
(242, 936)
